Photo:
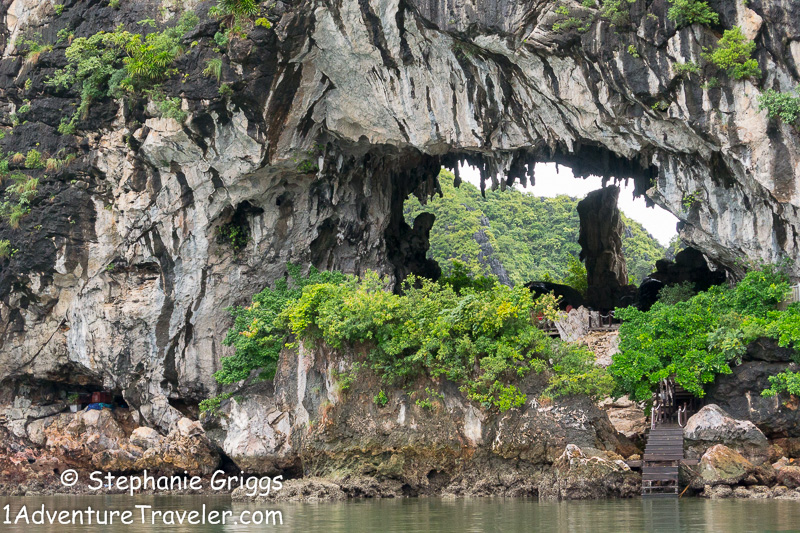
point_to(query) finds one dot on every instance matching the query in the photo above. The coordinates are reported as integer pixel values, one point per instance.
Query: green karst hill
(533, 238)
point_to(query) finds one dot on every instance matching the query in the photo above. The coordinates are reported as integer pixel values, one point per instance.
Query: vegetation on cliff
(533, 238)
(476, 332)
(702, 336)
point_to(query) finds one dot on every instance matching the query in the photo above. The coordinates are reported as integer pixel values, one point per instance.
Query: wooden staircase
(661, 461)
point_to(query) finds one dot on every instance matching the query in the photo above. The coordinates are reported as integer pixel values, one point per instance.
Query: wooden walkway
(661, 462)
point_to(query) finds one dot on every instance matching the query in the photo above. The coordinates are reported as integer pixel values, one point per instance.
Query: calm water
(420, 515)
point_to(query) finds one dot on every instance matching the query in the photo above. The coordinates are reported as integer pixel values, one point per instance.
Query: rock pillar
(601, 247)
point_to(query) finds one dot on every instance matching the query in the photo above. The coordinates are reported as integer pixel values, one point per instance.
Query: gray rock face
(340, 111)
(308, 425)
(738, 394)
(601, 247)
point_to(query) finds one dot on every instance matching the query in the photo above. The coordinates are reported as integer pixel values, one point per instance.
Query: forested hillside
(532, 238)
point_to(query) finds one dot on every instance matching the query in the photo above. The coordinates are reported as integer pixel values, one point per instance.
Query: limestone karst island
(399, 265)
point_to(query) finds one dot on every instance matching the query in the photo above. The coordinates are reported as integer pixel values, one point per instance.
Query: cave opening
(576, 226)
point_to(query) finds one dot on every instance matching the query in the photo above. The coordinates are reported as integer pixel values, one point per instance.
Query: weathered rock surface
(105, 440)
(601, 248)
(722, 466)
(788, 476)
(712, 425)
(627, 417)
(339, 112)
(689, 266)
(738, 393)
(307, 425)
(579, 476)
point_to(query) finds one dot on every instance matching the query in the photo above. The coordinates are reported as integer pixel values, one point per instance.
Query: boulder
(146, 438)
(626, 416)
(722, 466)
(712, 425)
(578, 475)
(788, 476)
(189, 428)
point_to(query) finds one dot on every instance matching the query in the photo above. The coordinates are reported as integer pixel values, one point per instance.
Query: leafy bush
(255, 336)
(34, 48)
(380, 399)
(684, 69)
(239, 8)
(169, 107)
(34, 159)
(616, 11)
(576, 275)
(5, 248)
(785, 106)
(18, 198)
(116, 63)
(732, 54)
(236, 235)
(225, 90)
(573, 23)
(696, 339)
(688, 12)
(784, 382)
(481, 336)
(678, 292)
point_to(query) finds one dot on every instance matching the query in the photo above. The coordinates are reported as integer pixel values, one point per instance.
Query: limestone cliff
(331, 117)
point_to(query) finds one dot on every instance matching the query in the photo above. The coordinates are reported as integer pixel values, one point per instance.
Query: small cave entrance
(233, 230)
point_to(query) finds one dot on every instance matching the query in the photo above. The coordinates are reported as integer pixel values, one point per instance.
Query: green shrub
(675, 293)
(633, 51)
(212, 405)
(255, 336)
(424, 403)
(697, 339)
(34, 159)
(684, 69)
(788, 382)
(688, 12)
(573, 23)
(576, 275)
(784, 106)
(34, 48)
(732, 54)
(169, 107)
(239, 8)
(236, 235)
(116, 63)
(225, 90)
(482, 338)
(616, 11)
(380, 399)
(263, 22)
(5, 248)
(18, 198)
(213, 68)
